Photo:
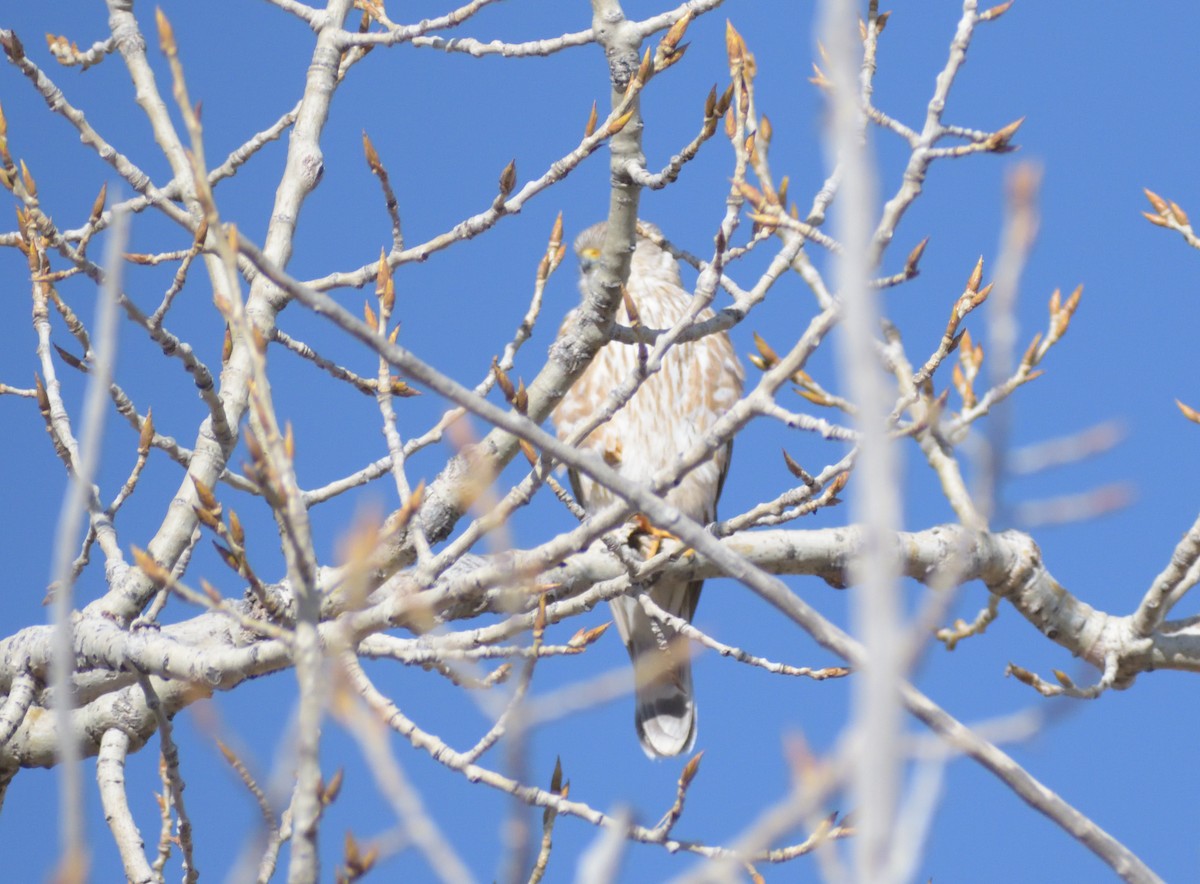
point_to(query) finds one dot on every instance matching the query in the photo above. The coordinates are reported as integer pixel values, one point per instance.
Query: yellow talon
(656, 536)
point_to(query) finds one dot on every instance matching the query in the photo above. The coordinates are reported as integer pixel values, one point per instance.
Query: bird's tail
(665, 713)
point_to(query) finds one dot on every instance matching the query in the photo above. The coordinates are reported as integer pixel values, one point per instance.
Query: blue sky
(1106, 97)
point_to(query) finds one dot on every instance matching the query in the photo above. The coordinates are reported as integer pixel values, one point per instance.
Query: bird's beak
(588, 258)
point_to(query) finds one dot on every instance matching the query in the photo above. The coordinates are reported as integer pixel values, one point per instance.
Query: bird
(669, 414)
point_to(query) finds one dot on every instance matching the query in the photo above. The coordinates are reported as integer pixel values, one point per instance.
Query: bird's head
(649, 261)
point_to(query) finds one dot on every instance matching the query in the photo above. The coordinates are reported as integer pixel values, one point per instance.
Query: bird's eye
(588, 258)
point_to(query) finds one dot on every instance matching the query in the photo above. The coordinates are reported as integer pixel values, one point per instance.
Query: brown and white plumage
(670, 413)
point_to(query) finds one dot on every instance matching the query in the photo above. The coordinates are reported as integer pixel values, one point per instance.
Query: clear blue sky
(1107, 94)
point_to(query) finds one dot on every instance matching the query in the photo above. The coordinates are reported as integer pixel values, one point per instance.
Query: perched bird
(670, 413)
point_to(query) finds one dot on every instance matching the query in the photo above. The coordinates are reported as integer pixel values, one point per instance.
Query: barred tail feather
(665, 715)
(665, 712)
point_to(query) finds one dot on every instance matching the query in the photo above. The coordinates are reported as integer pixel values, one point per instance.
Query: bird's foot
(656, 536)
